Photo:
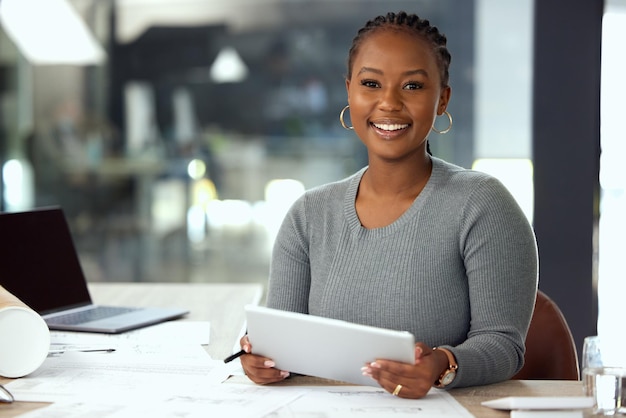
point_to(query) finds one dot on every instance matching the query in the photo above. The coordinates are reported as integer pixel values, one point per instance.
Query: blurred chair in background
(550, 349)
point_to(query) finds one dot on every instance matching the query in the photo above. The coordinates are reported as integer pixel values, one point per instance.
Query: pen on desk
(88, 350)
(234, 356)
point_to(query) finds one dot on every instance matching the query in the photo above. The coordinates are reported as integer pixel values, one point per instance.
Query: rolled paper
(24, 337)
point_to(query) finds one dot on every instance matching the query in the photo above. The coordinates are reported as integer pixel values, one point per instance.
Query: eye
(413, 85)
(370, 83)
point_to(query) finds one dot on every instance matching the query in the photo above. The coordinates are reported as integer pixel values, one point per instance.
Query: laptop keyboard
(94, 314)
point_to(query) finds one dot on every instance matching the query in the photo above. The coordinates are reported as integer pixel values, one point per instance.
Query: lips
(390, 127)
(389, 130)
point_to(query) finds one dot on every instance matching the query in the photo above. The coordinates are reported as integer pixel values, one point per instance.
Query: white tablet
(540, 402)
(323, 347)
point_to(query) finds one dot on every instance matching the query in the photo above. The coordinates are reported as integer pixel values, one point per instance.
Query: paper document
(256, 401)
(226, 400)
(366, 401)
(152, 369)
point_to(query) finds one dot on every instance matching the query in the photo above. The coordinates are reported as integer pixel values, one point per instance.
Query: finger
(415, 382)
(409, 388)
(407, 392)
(422, 350)
(393, 367)
(385, 378)
(262, 369)
(266, 376)
(244, 343)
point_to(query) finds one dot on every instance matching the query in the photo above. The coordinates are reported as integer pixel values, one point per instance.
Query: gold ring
(397, 390)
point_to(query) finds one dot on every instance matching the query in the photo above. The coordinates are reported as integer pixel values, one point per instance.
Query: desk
(219, 303)
(471, 398)
(222, 305)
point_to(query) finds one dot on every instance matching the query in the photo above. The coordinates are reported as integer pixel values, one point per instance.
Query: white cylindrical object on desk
(24, 337)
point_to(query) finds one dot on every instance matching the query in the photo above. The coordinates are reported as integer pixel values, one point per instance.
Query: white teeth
(390, 127)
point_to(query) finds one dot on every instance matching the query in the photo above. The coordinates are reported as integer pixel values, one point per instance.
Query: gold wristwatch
(449, 374)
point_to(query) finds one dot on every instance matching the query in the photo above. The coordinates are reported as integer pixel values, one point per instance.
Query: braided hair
(412, 24)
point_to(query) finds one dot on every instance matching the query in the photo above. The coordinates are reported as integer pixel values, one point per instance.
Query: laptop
(40, 266)
(324, 347)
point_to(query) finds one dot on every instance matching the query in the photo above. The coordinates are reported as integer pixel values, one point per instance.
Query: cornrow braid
(412, 24)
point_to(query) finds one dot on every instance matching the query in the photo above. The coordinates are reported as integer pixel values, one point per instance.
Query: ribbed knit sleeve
(457, 269)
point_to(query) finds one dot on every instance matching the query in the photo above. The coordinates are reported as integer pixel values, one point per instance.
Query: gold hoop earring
(445, 131)
(350, 128)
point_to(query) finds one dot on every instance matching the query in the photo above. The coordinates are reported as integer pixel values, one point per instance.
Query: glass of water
(604, 374)
(5, 395)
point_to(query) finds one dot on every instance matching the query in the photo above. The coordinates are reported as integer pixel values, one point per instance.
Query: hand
(259, 369)
(416, 379)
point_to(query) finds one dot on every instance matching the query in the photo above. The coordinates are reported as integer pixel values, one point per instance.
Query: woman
(409, 242)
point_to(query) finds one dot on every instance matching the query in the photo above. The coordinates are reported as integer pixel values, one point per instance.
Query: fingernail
(246, 348)
(269, 363)
(284, 374)
(374, 364)
(366, 371)
(418, 351)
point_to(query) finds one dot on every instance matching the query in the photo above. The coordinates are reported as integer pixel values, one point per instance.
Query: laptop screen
(38, 260)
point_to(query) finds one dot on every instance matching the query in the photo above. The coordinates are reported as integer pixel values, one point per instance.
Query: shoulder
(321, 208)
(330, 193)
(476, 195)
(324, 201)
(458, 174)
(463, 182)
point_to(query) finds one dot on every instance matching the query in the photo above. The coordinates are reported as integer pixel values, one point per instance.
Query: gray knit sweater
(457, 269)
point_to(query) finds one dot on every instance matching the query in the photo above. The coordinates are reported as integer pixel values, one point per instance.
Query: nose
(390, 100)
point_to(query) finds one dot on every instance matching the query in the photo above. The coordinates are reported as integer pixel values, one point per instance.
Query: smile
(390, 127)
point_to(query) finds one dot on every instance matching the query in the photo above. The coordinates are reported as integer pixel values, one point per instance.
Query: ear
(348, 86)
(444, 98)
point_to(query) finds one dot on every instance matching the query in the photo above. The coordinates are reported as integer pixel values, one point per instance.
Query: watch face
(448, 378)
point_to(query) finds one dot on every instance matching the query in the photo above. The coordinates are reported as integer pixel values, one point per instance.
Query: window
(168, 171)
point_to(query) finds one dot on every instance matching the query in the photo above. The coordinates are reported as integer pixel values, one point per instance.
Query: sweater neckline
(352, 217)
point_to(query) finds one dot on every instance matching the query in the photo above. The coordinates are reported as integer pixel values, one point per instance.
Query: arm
(290, 272)
(500, 255)
(498, 252)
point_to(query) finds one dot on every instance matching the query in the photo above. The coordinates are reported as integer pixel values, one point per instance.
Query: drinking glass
(5, 395)
(604, 374)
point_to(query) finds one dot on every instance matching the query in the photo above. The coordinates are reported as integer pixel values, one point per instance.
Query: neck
(397, 179)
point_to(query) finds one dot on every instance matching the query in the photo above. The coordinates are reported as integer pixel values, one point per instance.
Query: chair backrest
(550, 349)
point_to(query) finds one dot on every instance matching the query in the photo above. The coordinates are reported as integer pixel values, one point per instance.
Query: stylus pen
(234, 356)
(88, 350)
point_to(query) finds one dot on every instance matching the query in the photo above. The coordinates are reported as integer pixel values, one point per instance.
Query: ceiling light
(49, 32)
(228, 67)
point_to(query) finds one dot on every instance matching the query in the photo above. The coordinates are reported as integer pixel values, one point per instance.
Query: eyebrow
(377, 71)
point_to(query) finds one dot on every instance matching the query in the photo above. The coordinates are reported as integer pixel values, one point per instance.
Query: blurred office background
(175, 133)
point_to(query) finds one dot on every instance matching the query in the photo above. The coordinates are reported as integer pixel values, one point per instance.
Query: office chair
(550, 349)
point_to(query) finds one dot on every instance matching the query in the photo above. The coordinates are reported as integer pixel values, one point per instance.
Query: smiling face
(395, 92)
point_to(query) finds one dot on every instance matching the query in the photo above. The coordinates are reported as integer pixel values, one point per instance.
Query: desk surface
(471, 398)
(219, 303)
(222, 305)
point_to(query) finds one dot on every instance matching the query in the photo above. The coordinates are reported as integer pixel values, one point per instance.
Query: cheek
(358, 117)
(424, 112)
(359, 108)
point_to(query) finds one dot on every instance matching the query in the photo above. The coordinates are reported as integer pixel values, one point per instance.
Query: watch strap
(449, 374)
